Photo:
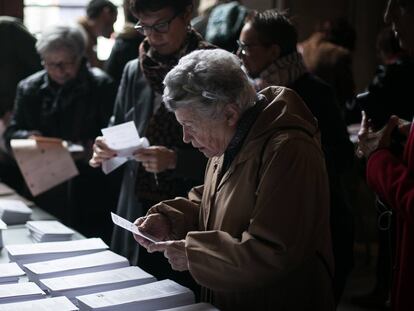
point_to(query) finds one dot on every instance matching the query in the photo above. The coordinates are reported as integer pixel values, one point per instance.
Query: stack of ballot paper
(88, 283)
(10, 273)
(27, 253)
(20, 292)
(3, 226)
(100, 261)
(14, 212)
(50, 304)
(49, 231)
(202, 306)
(152, 296)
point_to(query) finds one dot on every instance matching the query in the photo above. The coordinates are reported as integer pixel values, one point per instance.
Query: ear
(275, 51)
(188, 14)
(232, 114)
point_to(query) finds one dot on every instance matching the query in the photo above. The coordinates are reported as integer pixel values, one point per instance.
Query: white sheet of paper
(10, 269)
(109, 278)
(48, 227)
(50, 304)
(44, 164)
(15, 206)
(65, 266)
(5, 190)
(124, 139)
(127, 225)
(20, 289)
(161, 294)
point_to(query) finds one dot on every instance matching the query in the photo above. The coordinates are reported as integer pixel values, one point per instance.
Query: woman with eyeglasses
(168, 168)
(71, 101)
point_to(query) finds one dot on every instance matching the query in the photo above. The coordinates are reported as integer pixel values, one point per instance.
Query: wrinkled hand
(156, 159)
(174, 251)
(370, 141)
(156, 225)
(101, 152)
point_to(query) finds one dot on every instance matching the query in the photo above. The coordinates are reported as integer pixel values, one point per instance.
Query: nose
(186, 136)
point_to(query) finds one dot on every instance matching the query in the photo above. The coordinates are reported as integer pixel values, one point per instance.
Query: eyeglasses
(160, 27)
(245, 48)
(60, 65)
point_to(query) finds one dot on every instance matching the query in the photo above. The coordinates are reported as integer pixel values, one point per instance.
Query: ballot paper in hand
(125, 140)
(44, 162)
(127, 225)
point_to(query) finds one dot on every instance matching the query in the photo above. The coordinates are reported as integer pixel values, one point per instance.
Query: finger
(392, 123)
(157, 247)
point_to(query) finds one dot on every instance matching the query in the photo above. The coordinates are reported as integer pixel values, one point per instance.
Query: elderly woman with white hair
(71, 101)
(256, 234)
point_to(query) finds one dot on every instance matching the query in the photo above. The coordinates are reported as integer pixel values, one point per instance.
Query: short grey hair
(71, 38)
(208, 80)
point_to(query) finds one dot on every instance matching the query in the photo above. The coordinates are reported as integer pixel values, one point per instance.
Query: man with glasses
(168, 168)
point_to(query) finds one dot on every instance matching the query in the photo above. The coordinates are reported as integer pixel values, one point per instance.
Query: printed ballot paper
(44, 162)
(127, 225)
(125, 140)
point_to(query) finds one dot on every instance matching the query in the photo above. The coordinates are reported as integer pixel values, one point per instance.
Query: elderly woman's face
(210, 136)
(400, 14)
(61, 65)
(165, 30)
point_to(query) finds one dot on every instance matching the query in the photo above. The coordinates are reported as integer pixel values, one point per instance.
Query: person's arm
(287, 218)
(392, 180)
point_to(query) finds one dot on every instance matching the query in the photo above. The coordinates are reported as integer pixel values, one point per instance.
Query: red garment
(392, 178)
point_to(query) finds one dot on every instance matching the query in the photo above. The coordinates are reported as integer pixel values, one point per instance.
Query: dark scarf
(155, 66)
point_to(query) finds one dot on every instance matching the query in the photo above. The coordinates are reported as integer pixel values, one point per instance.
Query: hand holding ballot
(156, 225)
(122, 142)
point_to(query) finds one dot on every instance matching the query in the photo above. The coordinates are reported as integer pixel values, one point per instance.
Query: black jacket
(75, 112)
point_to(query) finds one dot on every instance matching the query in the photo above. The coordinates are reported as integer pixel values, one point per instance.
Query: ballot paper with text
(125, 140)
(28, 253)
(152, 296)
(44, 162)
(74, 265)
(10, 273)
(202, 306)
(49, 304)
(127, 225)
(89, 283)
(20, 292)
(14, 212)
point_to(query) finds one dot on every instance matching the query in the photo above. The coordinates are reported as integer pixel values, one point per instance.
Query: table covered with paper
(79, 274)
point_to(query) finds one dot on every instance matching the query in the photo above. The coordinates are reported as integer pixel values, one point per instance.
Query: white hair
(71, 38)
(208, 80)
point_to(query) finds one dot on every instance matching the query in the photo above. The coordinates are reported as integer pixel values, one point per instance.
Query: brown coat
(259, 238)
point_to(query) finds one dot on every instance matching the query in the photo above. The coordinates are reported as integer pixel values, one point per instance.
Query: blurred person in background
(18, 59)
(100, 18)
(69, 100)
(126, 46)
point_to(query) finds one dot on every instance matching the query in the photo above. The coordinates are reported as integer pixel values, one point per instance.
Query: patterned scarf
(282, 72)
(155, 66)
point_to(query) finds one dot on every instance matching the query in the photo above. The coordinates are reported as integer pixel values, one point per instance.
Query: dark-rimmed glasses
(160, 27)
(244, 48)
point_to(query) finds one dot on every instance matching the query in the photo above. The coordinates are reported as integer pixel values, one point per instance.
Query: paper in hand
(127, 225)
(125, 140)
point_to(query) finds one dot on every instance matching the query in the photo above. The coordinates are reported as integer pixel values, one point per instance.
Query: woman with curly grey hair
(255, 236)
